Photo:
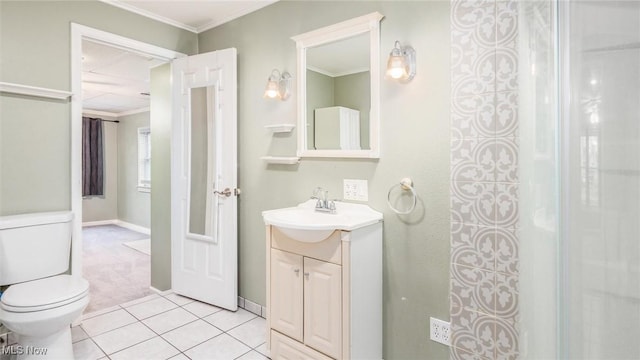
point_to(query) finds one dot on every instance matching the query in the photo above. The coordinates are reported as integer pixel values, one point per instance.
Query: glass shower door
(600, 186)
(580, 168)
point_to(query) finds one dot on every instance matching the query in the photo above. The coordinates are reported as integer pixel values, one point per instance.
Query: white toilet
(41, 302)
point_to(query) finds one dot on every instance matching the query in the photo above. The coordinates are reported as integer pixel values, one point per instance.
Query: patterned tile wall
(484, 179)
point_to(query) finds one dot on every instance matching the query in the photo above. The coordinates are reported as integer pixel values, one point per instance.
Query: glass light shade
(272, 89)
(278, 85)
(402, 63)
(396, 66)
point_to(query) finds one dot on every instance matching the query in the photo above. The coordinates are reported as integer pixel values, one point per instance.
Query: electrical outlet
(357, 190)
(440, 331)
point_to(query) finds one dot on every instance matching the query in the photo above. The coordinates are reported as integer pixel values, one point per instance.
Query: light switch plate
(357, 190)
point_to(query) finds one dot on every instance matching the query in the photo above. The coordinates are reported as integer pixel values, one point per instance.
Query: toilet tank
(34, 246)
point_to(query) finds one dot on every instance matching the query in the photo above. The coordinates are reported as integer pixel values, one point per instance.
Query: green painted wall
(34, 133)
(319, 95)
(352, 91)
(414, 142)
(133, 206)
(160, 110)
(34, 154)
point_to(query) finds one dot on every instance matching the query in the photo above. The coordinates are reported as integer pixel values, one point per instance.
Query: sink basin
(303, 223)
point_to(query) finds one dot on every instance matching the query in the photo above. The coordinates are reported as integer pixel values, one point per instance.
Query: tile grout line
(143, 324)
(198, 317)
(160, 335)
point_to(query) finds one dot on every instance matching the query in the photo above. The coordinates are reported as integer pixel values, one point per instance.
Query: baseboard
(124, 224)
(160, 292)
(101, 222)
(243, 303)
(134, 227)
(252, 307)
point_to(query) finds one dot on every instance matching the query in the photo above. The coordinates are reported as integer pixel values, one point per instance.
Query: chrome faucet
(323, 203)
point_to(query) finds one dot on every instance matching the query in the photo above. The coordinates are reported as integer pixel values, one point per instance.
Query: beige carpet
(144, 245)
(116, 273)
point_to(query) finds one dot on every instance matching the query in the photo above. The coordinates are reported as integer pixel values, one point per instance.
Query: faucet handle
(317, 192)
(332, 205)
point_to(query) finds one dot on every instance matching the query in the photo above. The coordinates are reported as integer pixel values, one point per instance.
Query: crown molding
(134, 111)
(150, 15)
(210, 25)
(99, 113)
(249, 9)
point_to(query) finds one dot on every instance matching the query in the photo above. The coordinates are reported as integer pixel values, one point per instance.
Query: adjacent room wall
(350, 91)
(347, 90)
(319, 94)
(35, 133)
(134, 206)
(105, 207)
(161, 177)
(414, 142)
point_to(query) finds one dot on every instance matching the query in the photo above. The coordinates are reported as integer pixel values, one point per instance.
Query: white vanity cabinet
(324, 299)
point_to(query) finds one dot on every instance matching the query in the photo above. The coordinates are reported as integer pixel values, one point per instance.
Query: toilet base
(54, 346)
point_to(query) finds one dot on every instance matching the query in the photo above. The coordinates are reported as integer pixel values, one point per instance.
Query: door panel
(286, 293)
(203, 165)
(323, 306)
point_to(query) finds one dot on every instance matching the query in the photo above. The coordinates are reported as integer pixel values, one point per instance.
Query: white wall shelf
(34, 91)
(282, 160)
(280, 128)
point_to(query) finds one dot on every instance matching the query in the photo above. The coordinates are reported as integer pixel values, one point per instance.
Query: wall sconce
(278, 85)
(402, 63)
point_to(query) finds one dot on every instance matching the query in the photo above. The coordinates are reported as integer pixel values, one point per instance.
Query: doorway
(114, 253)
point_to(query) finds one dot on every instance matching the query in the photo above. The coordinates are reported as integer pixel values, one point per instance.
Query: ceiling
(114, 80)
(192, 15)
(342, 57)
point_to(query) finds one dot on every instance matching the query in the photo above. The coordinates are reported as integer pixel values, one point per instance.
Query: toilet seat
(43, 294)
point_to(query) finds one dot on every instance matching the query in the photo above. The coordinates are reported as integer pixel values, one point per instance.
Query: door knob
(227, 192)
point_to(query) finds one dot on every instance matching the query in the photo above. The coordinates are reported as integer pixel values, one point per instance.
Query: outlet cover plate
(357, 190)
(440, 331)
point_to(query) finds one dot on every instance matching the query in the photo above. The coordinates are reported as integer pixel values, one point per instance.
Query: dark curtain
(92, 158)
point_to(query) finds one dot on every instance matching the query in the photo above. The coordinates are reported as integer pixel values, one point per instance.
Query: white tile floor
(169, 326)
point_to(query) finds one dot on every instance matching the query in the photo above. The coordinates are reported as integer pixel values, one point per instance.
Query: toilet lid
(44, 293)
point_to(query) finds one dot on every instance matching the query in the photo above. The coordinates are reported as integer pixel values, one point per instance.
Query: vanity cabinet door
(286, 293)
(323, 306)
(283, 348)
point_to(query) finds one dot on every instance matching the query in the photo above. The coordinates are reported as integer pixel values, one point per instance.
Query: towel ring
(405, 184)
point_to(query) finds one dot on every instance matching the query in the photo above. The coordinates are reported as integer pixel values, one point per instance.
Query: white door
(286, 293)
(323, 306)
(204, 234)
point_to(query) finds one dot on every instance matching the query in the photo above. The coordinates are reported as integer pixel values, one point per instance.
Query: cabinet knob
(306, 274)
(297, 271)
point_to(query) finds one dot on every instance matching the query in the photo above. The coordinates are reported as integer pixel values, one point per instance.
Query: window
(144, 159)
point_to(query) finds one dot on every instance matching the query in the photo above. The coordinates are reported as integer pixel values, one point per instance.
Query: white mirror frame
(368, 23)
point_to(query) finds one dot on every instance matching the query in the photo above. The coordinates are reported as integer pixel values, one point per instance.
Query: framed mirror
(339, 89)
